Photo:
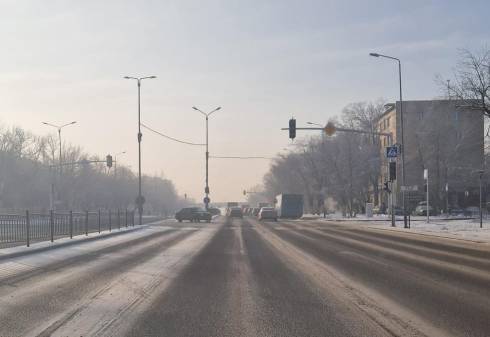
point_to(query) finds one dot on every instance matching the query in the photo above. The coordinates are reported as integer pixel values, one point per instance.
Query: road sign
(392, 151)
(329, 129)
(413, 188)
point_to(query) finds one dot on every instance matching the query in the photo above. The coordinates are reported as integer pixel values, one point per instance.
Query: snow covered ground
(455, 227)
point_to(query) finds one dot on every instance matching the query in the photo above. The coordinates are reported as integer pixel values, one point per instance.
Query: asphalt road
(239, 277)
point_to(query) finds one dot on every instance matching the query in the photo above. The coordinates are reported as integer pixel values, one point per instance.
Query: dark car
(456, 212)
(235, 212)
(193, 214)
(214, 211)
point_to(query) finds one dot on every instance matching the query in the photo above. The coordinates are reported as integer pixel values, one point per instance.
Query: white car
(268, 213)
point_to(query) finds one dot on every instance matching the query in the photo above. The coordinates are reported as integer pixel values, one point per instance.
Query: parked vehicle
(472, 211)
(235, 212)
(193, 214)
(268, 213)
(421, 209)
(214, 211)
(290, 206)
(456, 212)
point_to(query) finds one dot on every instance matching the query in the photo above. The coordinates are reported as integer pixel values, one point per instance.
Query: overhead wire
(239, 157)
(171, 138)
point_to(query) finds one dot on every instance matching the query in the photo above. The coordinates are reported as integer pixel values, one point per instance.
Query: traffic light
(244, 192)
(292, 128)
(386, 187)
(108, 161)
(392, 171)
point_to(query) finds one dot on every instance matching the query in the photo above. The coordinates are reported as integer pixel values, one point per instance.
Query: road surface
(239, 277)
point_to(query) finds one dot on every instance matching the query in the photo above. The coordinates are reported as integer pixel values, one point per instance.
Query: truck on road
(289, 206)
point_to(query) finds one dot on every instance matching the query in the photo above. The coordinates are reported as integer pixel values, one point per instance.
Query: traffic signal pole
(330, 129)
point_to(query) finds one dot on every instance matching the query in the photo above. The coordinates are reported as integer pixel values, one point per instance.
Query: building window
(388, 121)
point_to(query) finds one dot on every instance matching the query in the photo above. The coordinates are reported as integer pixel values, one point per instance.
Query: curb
(429, 234)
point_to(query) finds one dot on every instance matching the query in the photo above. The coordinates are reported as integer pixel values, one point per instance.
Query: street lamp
(115, 162)
(401, 131)
(206, 189)
(140, 200)
(481, 172)
(318, 124)
(59, 127)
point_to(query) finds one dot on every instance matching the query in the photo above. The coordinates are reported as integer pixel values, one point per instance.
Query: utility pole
(59, 127)
(115, 162)
(426, 177)
(206, 188)
(402, 143)
(139, 200)
(481, 172)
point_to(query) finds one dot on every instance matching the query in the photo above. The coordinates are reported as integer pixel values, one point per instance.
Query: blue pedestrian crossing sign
(392, 151)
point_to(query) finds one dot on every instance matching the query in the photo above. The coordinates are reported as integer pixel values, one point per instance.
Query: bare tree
(471, 80)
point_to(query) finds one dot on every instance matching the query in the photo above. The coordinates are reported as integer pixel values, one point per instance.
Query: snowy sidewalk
(454, 228)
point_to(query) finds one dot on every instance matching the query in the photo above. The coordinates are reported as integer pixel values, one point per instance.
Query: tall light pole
(140, 200)
(206, 189)
(58, 127)
(115, 162)
(318, 124)
(401, 131)
(480, 173)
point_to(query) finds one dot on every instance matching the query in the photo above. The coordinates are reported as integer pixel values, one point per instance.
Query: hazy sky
(262, 61)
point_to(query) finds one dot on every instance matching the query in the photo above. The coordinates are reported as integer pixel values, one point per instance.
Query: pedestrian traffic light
(386, 187)
(292, 128)
(108, 161)
(392, 171)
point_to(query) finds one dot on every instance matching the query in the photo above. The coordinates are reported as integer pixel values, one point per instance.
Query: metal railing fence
(19, 229)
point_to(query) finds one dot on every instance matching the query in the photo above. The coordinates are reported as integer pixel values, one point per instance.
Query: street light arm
(71, 123)
(218, 108)
(144, 78)
(385, 56)
(49, 124)
(199, 111)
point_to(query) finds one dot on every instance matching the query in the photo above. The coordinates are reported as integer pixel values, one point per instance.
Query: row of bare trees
(27, 180)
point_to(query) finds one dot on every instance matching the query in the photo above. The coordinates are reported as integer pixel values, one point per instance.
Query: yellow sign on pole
(329, 129)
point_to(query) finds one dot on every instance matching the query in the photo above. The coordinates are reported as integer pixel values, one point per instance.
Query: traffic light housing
(386, 187)
(108, 161)
(392, 171)
(244, 192)
(292, 128)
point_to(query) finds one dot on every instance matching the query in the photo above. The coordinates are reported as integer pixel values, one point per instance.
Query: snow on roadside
(456, 228)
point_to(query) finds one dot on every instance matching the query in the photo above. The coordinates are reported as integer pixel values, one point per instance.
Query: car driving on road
(268, 213)
(193, 214)
(235, 212)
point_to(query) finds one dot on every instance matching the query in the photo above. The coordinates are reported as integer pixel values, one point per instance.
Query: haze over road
(237, 277)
